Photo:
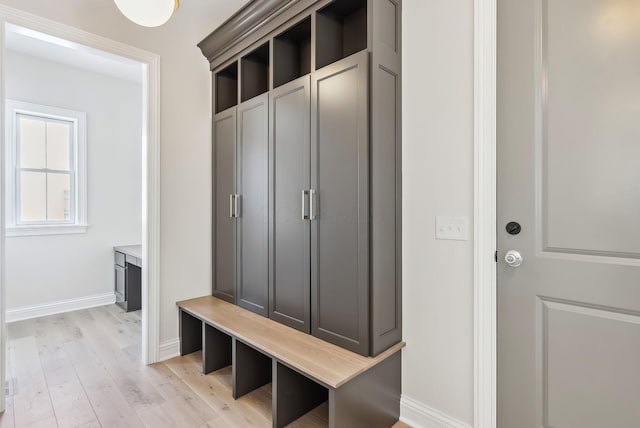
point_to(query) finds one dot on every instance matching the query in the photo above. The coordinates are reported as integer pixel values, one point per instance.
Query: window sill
(58, 229)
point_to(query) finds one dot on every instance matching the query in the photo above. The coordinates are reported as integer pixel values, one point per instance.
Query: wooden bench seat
(305, 370)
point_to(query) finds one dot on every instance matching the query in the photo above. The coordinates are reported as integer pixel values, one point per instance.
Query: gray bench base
(370, 400)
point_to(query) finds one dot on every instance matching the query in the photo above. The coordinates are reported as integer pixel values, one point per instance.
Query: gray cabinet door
(253, 220)
(120, 283)
(224, 227)
(290, 233)
(340, 176)
(386, 177)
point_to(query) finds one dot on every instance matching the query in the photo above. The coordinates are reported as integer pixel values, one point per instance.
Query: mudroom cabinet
(307, 167)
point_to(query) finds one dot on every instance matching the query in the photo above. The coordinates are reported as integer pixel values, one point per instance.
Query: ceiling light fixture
(148, 13)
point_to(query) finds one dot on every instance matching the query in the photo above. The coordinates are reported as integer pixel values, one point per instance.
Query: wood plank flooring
(83, 369)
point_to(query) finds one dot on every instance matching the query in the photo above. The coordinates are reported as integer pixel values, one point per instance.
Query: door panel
(592, 107)
(224, 257)
(339, 173)
(290, 245)
(610, 340)
(253, 221)
(568, 151)
(120, 283)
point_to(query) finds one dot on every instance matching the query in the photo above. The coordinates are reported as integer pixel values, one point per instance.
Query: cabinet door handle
(305, 213)
(312, 205)
(236, 205)
(231, 206)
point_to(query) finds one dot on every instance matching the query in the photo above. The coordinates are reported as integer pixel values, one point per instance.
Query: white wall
(438, 180)
(46, 269)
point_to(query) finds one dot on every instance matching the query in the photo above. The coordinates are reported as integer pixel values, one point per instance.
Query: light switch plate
(453, 228)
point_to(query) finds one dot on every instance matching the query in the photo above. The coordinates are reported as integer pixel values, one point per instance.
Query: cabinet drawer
(133, 260)
(120, 258)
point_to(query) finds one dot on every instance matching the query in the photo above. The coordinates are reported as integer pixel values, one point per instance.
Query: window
(46, 173)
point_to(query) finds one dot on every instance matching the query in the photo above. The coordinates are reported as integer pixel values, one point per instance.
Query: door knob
(513, 258)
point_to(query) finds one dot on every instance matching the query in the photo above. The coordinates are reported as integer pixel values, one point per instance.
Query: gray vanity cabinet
(340, 173)
(224, 226)
(128, 277)
(252, 207)
(290, 151)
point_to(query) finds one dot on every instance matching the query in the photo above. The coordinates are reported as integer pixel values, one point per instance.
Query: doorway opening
(69, 188)
(73, 197)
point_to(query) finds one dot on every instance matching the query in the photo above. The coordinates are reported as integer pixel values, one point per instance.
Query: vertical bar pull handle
(312, 205)
(305, 213)
(236, 205)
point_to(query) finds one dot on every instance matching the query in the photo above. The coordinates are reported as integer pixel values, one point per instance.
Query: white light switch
(454, 228)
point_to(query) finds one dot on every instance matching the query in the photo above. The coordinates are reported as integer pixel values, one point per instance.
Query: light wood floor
(83, 369)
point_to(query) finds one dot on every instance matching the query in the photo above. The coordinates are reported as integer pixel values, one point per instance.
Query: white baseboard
(61, 306)
(169, 349)
(419, 415)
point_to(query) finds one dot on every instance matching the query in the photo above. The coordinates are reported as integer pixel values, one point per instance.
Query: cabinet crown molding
(253, 16)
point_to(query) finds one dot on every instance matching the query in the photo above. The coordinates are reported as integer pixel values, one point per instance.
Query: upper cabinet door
(253, 207)
(340, 178)
(290, 133)
(224, 225)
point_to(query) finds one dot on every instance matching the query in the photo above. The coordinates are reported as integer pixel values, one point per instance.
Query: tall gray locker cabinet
(241, 227)
(340, 173)
(224, 187)
(307, 166)
(253, 215)
(290, 149)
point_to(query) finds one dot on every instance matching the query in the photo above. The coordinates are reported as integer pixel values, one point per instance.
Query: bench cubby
(341, 30)
(226, 81)
(255, 73)
(294, 395)
(190, 333)
(251, 369)
(216, 350)
(292, 53)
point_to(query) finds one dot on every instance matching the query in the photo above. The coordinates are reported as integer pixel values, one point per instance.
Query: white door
(569, 175)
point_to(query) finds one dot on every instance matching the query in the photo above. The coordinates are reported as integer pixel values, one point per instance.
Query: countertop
(131, 250)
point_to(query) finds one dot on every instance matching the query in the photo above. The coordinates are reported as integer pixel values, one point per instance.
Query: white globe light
(148, 13)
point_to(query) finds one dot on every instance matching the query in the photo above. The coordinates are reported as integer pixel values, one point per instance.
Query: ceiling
(43, 46)
(194, 20)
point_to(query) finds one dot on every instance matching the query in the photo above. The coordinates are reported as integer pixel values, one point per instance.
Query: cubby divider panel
(292, 53)
(227, 87)
(255, 73)
(341, 30)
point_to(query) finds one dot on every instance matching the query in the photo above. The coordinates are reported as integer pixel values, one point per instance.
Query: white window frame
(78, 223)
